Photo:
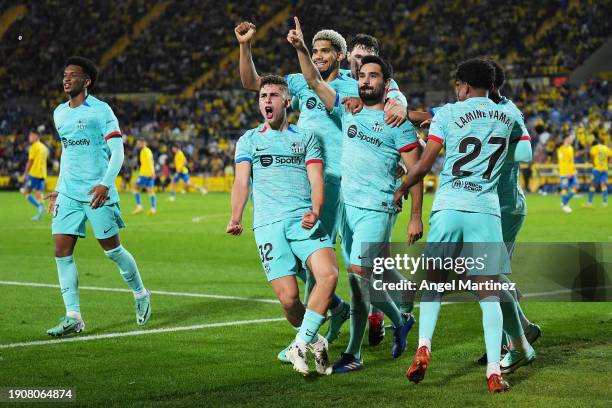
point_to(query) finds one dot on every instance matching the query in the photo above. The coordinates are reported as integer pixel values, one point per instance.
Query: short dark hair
(384, 67)
(270, 79)
(88, 66)
(365, 41)
(500, 76)
(476, 72)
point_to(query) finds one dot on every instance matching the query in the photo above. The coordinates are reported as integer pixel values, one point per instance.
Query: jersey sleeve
(110, 124)
(394, 93)
(32, 152)
(346, 87)
(313, 149)
(407, 138)
(338, 110)
(437, 129)
(244, 149)
(296, 84)
(519, 130)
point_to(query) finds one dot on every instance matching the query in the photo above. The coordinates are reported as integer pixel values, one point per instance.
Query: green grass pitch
(184, 249)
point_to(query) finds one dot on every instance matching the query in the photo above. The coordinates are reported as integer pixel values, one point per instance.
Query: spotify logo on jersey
(266, 160)
(352, 131)
(311, 103)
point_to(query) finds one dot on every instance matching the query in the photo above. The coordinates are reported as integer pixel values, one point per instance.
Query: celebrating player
(329, 49)
(513, 209)
(396, 105)
(475, 133)
(369, 159)
(288, 194)
(567, 172)
(35, 173)
(146, 178)
(92, 156)
(181, 172)
(600, 154)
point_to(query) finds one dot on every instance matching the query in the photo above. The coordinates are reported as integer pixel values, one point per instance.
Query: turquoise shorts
(69, 218)
(361, 231)
(283, 245)
(511, 225)
(331, 211)
(479, 234)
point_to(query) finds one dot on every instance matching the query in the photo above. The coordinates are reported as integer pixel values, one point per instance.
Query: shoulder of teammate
(345, 85)
(519, 130)
(244, 146)
(438, 127)
(108, 121)
(296, 83)
(58, 109)
(394, 93)
(406, 137)
(313, 153)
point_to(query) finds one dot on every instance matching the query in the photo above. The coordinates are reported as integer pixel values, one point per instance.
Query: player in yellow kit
(567, 172)
(35, 173)
(181, 172)
(146, 178)
(600, 154)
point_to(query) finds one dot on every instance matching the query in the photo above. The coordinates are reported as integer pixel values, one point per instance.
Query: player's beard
(372, 95)
(332, 67)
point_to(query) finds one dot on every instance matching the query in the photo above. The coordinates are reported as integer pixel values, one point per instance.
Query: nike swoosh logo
(361, 257)
(322, 239)
(105, 231)
(259, 150)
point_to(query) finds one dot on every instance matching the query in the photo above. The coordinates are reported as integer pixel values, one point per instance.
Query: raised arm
(311, 74)
(248, 74)
(240, 196)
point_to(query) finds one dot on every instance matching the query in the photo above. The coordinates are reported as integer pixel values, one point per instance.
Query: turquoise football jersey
(511, 196)
(314, 116)
(476, 134)
(281, 188)
(83, 132)
(370, 155)
(392, 93)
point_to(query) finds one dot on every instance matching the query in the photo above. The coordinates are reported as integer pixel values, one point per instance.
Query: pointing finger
(297, 23)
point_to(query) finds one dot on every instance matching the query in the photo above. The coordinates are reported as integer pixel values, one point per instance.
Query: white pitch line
(204, 217)
(155, 292)
(137, 333)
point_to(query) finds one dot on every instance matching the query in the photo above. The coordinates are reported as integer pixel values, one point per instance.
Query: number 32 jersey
(476, 134)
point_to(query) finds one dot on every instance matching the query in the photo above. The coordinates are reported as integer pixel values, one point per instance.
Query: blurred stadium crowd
(160, 52)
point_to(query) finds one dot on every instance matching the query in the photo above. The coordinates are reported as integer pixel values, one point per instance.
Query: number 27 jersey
(476, 134)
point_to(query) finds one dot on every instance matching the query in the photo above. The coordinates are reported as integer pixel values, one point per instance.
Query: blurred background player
(482, 129)
(92, 156)
(286, 165)
(146, 178)
(181, 172)
(329, 49)
(568, 179)
(600, 155)
(35, 173)
(367, 190)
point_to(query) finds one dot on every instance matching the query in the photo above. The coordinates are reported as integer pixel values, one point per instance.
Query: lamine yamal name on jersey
(479, 114)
